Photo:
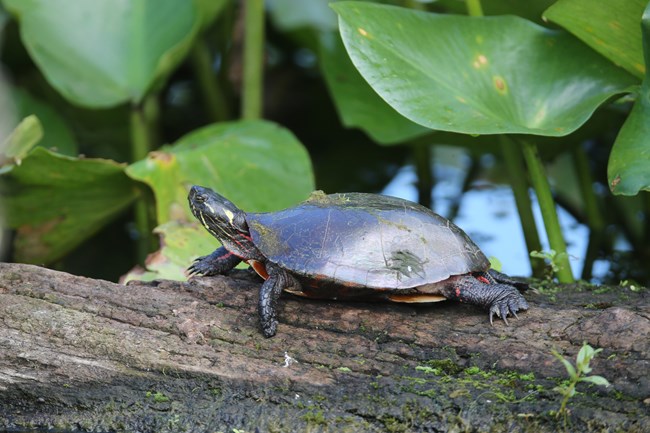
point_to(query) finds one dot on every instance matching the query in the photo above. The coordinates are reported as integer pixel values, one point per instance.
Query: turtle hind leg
(498, 277)
(278, 280)
(217, 263)
(481, 289)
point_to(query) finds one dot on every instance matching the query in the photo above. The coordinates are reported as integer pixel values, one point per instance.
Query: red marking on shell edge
(259, 268)
(483, 280)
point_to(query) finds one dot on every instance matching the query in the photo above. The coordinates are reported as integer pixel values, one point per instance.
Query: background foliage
(121, 105)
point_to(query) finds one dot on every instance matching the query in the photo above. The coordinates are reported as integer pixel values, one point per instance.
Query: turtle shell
(365, 240)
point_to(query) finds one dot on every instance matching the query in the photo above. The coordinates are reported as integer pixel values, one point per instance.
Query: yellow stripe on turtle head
(229, 215)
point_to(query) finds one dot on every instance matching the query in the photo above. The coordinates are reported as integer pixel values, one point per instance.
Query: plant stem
(213, 96)
(423, 167)
(253, 59)
(474, 8)
(140, 147)
(549, 213)
(519, 184)
(470, 176)
(646, 230)
(586, 182)
(140, 137)
(594, 216)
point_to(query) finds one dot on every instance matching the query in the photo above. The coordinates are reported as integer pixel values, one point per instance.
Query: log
(166, 356)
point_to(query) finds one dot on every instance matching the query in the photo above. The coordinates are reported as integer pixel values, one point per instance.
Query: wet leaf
(610, 27)
(56, 202)
(102, 53)
(627, 169)
(358, 105)
(487, 75)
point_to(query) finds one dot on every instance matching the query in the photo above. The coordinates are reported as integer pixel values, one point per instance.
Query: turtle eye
(201, 198)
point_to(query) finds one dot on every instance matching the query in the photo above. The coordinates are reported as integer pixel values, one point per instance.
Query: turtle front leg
(482, 290)
(217, 263)
(270, 291)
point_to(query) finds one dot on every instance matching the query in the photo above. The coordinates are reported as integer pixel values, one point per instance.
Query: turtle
(352, 246)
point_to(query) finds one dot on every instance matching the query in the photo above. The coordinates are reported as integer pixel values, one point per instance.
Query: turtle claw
(507, 304)
(217, 263)
(195, 267)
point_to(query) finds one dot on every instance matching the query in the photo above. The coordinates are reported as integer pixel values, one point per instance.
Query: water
(488, 214)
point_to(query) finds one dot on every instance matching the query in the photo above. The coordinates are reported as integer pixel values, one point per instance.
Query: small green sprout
(551, 257)
(631, 284)
(577, 374)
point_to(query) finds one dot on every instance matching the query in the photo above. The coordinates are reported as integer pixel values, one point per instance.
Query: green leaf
(598, 380)
(358, 105)
(56, 202)
(610, 27)
(57, 135)
(258, 165)
(569, 367)
(584, 355)
(102, 53)
(23, 138)
(486, 75)
(209, 10)
(180, 243)
(627, 169)
(529, 9)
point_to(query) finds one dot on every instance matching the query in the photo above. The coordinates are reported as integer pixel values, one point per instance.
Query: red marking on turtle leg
(458, 292)
(482, 279)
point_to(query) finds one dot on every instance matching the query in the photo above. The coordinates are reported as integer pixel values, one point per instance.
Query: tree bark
(91, 355)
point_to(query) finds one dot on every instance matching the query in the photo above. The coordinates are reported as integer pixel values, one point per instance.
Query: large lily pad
(357, 103)
(486, 75)
(56, 202)
(101, 53)
(628, 168)
(610, 27)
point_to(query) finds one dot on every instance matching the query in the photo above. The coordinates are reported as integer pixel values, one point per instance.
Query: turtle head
(222, 219)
